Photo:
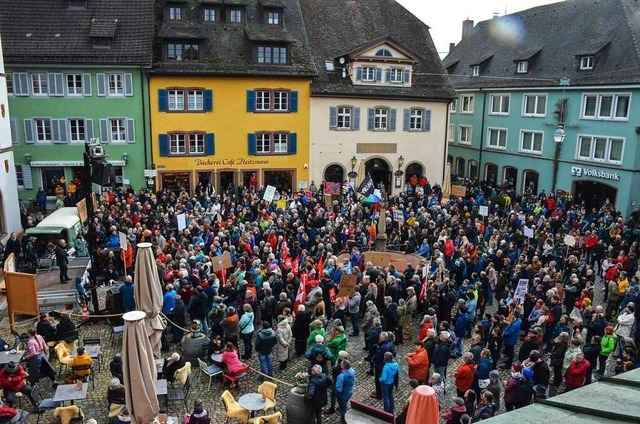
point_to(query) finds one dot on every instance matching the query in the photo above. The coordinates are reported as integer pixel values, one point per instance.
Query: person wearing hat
(337, 341)
(115, 397)
(199, 414)
(316, 393)
(319, 354)
(196, 343)
(173, 363)
(13, 379)
(344, 384)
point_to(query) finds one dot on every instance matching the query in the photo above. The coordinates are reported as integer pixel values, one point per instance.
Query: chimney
(467, 27)
(451, 47)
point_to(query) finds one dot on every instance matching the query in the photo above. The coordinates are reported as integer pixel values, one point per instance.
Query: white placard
(483, 211)
(182, 221)
(123, 240)
(569, 240)
(521, 290)
(528, 232)
(398, 215)
(269, 193)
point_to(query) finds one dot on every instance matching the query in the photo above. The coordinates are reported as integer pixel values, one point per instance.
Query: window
(175, 13)
(263, 100)
(195, 100)
(586, 63)
(209, 14)
(497, 138)
(177, 144)
(500, 104)
(280, 101)
(39, 84)
(176, 100)
(465, 135)
(381, 119)
(531, 141)
(272, 142)
(274, 17)
(368, 73)
(453, 105)
(606, 106)
(43, 129)
(235, 15)
(118, 129)
(274, 55)
(280, 142)
(9, 78)
(116, 85)
(196, 144)
(522, 67)
(74, 84)
(451, 133)
(384, 53)
(263, 143)
(467, 104)
(475, 70)
(602, 149)
(272, 101)
(416, 119)
(183, 51)
(534, 105)
(396, 75)
(19, 176)
(76, 126)
(344, 117)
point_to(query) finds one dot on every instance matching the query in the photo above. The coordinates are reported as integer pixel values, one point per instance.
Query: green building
(76, 73)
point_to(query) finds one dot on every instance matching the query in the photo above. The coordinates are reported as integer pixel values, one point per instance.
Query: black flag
(367, 187)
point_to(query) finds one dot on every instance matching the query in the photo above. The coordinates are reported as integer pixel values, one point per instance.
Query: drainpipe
(484, 105)
(144, 121)
(446, 145)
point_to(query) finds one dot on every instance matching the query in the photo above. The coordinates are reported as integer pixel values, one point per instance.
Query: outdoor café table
(217, 358)
(252, 402)
(70, 392)
(94, 351)
(10, 356)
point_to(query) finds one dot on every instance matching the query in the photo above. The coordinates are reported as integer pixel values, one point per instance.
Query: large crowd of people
(515, 298)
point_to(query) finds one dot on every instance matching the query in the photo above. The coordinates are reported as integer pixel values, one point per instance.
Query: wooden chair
(233, 410)
(268, 390)
(275, 418)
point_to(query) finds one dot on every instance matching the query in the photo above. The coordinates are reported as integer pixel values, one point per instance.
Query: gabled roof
(48, 32)
(556, 34)
(378, 42)
(339, 27)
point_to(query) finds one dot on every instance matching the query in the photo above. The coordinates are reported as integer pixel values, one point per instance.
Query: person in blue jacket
(128, 302)
(345, 383)
(389, 379)
(510, 337)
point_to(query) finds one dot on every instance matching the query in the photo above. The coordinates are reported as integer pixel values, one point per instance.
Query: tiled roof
(48, 32)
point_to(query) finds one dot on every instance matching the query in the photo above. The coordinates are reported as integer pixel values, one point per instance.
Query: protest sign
(182, 221)
(483, 211)
(528, 232)
(398, 215)
(458, 190)
(82, 210)
(269, 193)
(347, 285)
(123, 240)
(221, 262)
(521, 290)
(569, 240)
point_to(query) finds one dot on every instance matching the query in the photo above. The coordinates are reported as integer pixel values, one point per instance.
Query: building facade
(230, 95)
(9, 212)
(77, 74)
(550, 110)
(379, 104)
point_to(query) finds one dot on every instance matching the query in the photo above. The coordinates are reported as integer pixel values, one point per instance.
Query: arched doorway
(491, 173)
(593, 194)
(334, 174)
(414, 170)
(460, 168)
(510, 177)
(380, 172)
(530, 182)
(473, 170)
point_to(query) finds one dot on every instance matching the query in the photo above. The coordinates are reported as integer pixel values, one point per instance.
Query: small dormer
(587, 57)
(102, 32)
(525, 60)
(383, 63)
(272, 12)
(77, 4)
(235, 11)
(478, 66)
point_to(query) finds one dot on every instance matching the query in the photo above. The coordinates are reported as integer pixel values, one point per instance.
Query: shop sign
(226, 163)
(578, 171)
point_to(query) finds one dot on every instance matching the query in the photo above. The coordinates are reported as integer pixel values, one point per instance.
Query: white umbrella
(148, 294)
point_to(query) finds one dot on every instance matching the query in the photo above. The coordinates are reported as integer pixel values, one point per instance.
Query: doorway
(380, 173)
(530, 183)
(491, 173)
(226, 181)
(510, 177)
(281, 180)
(177, 181)
(334, 174)
(593, 194)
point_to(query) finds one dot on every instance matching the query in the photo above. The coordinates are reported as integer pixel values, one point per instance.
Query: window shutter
(392, 120)
(292, 148)
(163, 100)
(371, 116)
(208, 100)
(333, 117)
(55, 131)
(131, 131)
(164, 144)
(407, 76)
(51, 86)
(14, 131)
(426, 120)
(128, 84)
(293, 101)
(59, 78)
(406, 120)
(252, 144)
(104, 131)
(27, 177)
(387, 75)
(29, 136)
(251, 101)
(86, 85)
(17, 87)
(378, 74)
(88, 129)
(355, 118)
(359, 74)
(25, 84)
(62, 131)
(210, 148)
(101, 81)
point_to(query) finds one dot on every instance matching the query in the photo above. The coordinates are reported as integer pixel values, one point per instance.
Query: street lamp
(353, 174)
(558, 137)
(559, 134)
(398, 174)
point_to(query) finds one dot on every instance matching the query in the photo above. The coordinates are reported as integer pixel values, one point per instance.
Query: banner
(458, 190)
(331, 188)
(347, 285)
(269, 193)
(82, 210)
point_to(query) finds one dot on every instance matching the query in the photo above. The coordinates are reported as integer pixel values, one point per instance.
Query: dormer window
(384, 53)
(273, 17)
(183, 50)
(175, 13)
(77, 4)
(234, 15)
(396, 75)
(475, 70)
(522, 67)
(586, 63)
(369, 74)
(210, 14)
(272, 55)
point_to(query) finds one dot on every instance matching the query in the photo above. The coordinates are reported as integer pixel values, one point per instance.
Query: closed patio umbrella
(148, 294)
(139, 370)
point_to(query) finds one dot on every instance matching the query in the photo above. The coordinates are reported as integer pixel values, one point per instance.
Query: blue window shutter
(333, 117)
(378, 74)
(163, 100)
(407, 75)
(27, 177)
(14, 131)
(210, 147)
(359, 74)
(252, 144)
(406, 120)
(131, 131)
(292, 148)
(355, 118)
(293, 101)
(62, 130)
(55, 131)
(86, 85)
(101, 81)
(104, 131)
(51, 86)
(208, 100)
(60, 85)
(251, 101)
(164, 144)
(28, 131)
(25, 84)
(88, 129)
(387, 75)
(128, 84)
(392, 120)
(426, 121)
(371, 116)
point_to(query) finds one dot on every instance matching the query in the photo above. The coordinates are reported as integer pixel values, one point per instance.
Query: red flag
(223, 275)
(423, 290)
(299, 300)
(320, 266)
(295, 264)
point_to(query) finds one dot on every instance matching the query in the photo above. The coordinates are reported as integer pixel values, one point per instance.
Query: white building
(9, 206)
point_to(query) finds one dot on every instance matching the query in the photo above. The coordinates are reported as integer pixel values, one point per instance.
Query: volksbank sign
(578, 171)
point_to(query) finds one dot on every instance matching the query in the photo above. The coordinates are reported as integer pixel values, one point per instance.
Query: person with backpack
(517, 390)
(316, 394)
(265, 341)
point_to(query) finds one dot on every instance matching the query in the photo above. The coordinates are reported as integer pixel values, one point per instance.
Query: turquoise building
(544, 107)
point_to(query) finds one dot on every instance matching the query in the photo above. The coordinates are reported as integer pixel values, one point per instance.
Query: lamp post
(353, 174)
(558, 137)
(398, 174)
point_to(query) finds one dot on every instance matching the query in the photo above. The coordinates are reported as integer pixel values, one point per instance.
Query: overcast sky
(445, 16)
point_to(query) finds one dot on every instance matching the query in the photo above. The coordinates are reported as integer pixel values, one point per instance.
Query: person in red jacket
(465, 374)
(13, 379)
(576, 374)
(418, 362)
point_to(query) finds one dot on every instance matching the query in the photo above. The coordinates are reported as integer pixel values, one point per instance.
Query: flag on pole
(367, 186)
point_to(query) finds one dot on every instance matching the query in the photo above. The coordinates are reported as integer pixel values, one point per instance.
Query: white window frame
(451, 133)
(209, 13)
(75, 90)
(36, 122)
(469, 131)
(9, 80)
(475, 71)
(280, 142)
(396, 75)
(235, 12)
(263, 100)
(592, 148)
(453, 105)
(369, 73)
(121, 132)
(176, 100)
(587, 63)
(37, 80)
(502, 104)
(263, 140)
(175, 13)
(274, 17)
(74, 133)
(533, 134)
(614, 106)
(535, 114)
(416, 119)
(178, 144)
(195, 100)
(280, 101)
(197, 143)
(506, 138)
(522, 67)
(471, 99)
(19, 175)
(344, 113)
(118, 84)
(380, 117)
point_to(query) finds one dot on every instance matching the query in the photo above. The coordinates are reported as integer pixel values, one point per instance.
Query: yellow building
(225, 118)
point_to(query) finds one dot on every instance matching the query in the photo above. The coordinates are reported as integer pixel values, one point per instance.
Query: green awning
(44, 230)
